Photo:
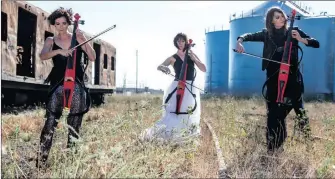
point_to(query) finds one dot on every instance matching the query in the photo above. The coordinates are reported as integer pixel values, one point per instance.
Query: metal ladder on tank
(299, 6)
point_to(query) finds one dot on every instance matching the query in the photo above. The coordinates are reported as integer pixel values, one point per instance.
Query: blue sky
(150, 27)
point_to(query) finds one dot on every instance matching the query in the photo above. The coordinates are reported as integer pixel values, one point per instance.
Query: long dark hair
(269, 16)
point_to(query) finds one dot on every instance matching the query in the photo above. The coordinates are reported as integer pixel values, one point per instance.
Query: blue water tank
(318, 63)
(217, 58)
(333, 34)
(246, 77)
(245, 74)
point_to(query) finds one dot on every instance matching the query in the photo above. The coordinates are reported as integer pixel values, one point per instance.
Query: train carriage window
(105, 61)
(47, 34)
(97, 48)
(4, 27)
(113, 63)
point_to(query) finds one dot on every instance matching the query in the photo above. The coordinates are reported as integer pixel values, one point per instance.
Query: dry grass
(238, 124)
(109, 148)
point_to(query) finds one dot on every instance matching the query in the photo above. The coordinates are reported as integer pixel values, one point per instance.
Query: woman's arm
(47, 51)
(197, 61)
(302, 37)
(87, 48)
(252, 37)
(164, 67)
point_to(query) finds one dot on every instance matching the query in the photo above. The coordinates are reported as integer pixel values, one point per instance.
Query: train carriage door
(26, 43)
(96, 72)
(4, 36)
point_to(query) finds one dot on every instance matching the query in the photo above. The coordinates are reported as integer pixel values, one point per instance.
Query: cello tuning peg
(76, 16)
(82, 22)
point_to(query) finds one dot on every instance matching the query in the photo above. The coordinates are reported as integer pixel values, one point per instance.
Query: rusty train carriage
(24, 29)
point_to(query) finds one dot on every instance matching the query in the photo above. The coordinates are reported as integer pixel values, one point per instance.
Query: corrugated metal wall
(318, 63)
(333, 49)
(333, 29)
(217, 58)
(245, 74)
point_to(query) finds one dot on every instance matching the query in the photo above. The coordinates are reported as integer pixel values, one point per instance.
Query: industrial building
(241, 75)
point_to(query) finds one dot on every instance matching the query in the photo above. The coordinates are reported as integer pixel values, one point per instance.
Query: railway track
(222, 168)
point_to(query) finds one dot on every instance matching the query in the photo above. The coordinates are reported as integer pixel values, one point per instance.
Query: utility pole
(124, 82)
(136, 68)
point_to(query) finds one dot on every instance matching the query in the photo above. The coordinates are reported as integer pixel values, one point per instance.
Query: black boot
(41, 160)
(302, 125)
